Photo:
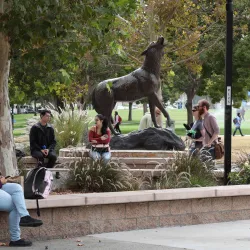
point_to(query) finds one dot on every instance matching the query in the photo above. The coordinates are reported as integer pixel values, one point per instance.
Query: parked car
(29, 111)
(121, 107)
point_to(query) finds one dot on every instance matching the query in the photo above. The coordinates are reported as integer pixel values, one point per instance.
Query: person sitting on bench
(42, 140)
(12, 201)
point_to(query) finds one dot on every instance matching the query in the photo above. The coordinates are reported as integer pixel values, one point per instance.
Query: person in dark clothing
(117, 122)
(42, 140)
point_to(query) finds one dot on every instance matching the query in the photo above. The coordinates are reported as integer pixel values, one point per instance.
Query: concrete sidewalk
(217, 236)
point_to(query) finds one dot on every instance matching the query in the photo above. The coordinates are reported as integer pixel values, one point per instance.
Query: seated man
(146, 120)
(42, 140)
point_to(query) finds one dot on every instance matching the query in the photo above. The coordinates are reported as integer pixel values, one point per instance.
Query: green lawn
(20, 123)
(179, 115)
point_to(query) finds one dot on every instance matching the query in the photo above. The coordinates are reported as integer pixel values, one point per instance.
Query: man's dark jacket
(38, 138)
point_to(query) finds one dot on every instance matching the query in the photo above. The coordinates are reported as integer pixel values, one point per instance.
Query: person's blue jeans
(105, 157)
(12, 201)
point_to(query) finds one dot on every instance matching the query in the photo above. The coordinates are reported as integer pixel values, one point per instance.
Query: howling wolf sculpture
(141, 83)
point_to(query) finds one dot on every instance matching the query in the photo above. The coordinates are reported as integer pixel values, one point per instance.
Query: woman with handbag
(99, 137)
(197, 132)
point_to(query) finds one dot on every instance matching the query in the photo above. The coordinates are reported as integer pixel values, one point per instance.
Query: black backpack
(38, 184)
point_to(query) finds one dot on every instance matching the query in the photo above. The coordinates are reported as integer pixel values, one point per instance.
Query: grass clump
(242, 176)
(186, 171)
(70, 127)
(87, 176)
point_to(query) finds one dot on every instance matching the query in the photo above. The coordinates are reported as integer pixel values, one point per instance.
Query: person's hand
(93, 141)
(3, 180)
(208, 146)
(104, 137)
(45, 151)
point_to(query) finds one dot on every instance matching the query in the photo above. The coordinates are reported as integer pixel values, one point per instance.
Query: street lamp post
(228, 91)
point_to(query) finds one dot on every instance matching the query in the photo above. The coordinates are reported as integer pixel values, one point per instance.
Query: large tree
(28, 30)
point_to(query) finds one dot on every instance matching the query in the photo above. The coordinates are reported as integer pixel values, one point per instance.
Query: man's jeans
(12, 201)
(105, 157)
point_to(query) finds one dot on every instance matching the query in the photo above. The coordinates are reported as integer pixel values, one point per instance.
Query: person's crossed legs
(12, 201)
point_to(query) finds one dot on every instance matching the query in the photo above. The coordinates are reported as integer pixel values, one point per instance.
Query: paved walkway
(217, 236)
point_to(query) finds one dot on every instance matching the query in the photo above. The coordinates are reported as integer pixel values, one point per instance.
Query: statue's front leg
(152, 112)
(155, 101)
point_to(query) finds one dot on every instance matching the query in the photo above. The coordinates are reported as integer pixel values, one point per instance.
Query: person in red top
(99, 137)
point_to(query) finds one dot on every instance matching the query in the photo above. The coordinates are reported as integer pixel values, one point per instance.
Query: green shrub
(70, 127)
(242, 176)
(87, 175)
(186, 171)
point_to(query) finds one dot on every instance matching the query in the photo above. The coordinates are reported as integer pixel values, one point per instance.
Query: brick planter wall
(115, 215)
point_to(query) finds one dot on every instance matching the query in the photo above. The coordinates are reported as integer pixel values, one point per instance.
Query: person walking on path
(12, 201)
(210, 125)
(117, 122)
(237, 124)
(198, 134)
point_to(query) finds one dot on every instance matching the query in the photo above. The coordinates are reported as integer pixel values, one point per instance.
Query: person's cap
(195, 108)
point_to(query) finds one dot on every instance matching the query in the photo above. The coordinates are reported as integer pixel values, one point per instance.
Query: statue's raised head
(155, 47)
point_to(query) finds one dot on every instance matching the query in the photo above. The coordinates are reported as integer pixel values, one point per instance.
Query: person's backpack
(119, 119)
(235, 120)
(38, 184)
(19, 154)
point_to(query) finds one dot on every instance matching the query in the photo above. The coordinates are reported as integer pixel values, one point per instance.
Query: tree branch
(197, 54)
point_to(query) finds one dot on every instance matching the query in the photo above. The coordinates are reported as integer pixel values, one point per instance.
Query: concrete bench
(131, 162)
(79, 214)
(82, 151)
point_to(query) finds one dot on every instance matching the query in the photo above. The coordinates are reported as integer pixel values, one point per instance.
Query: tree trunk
(189, 107)
(8, 164)
(145, 108)
(35, 107)
(18, 109)
(130, 112)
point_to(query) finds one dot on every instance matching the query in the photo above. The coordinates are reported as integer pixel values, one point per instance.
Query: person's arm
(107, 137)
(202, 135)
(53, 141)
(33, 139)
(216, 130)
(92, 137)
(2, 181)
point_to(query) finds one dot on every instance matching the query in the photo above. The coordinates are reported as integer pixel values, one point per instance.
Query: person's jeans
(12, 201)
(237, 128)
(51, 157)
(105, 157)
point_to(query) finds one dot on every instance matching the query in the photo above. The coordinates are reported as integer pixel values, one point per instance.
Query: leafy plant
(243, 175)
(186, 171)
(94, 176)
(69, 126)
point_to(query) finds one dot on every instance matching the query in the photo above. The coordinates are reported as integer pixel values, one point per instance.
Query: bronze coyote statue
(141, 83)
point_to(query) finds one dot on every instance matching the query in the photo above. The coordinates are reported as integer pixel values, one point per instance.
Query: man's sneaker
(28, 221)
(20, 243)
